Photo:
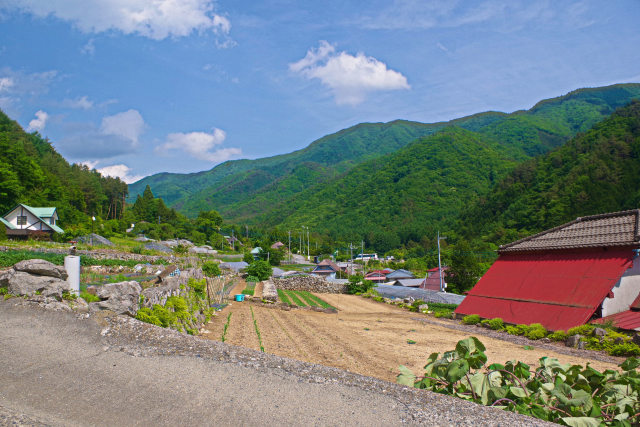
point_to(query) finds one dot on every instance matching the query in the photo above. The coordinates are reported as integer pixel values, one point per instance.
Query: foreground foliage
(571, 395)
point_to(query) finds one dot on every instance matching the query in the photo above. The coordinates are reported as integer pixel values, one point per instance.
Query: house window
(52, 221)
(22, 220)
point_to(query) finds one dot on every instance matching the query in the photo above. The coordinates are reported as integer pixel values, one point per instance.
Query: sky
(137, 87)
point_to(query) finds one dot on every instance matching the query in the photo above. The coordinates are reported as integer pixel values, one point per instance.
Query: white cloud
(157, 19)
(83, 103)
(199, 145)
(121, 171)
(348, 77)
(5, 83)
(89, 48)
(39, 122)
(128, 124)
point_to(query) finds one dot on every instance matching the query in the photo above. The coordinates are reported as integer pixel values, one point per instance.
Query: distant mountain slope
(33, 173)
(596, 172)
(245, 190)
(400, 197)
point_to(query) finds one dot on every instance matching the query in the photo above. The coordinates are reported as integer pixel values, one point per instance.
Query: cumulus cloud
(128, 124)
(117, 135)
(199, 145)
(157, 19)
(39, 122)
(83, 103)
(121, 171)
(5, 83)
(348, 77)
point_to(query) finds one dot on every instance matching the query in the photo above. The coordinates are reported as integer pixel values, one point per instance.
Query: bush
(471, 319)
(358, 284)
(558, 336)
(138, 249)
(497, 324)
(624, 349)
(443, 313)
(260, 269)
(252, 279)
(536, 331)
(581, 330)
(3, 233)
(211, 269)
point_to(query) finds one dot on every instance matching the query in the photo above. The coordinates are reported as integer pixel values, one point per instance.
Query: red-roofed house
(377, 276)
(432, 282)
(565, 276)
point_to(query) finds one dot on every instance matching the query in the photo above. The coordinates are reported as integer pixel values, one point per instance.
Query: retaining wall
(310, 284)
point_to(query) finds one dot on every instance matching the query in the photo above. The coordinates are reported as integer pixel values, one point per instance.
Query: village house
(326, 268)
(566, 276)
(24, 221)
(432, 282)
(277, 245)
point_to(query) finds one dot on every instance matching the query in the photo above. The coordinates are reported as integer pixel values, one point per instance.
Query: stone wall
(311, 284)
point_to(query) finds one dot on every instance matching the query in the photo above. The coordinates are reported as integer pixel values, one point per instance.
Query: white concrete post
(72, 265)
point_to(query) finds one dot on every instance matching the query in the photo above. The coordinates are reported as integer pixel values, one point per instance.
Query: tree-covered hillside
(403, 196)
(33, 173)
(247, 190)
(596, 172)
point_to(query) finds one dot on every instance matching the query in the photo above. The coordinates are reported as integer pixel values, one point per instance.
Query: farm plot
(302, 299)
(364, 337)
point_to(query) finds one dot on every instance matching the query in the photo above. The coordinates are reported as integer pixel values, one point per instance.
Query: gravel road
(61, 368)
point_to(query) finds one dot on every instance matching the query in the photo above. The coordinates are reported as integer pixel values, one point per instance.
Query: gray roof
(610, 229)
(400, 273)
(423, 294)
(235, 266)
(410, 282)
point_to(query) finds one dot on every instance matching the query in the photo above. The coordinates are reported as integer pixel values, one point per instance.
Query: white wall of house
(32, 222)
(624, 292)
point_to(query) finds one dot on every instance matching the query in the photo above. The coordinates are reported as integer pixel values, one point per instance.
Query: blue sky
(136, 87)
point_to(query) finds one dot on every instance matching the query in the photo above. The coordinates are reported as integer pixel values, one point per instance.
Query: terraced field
(364, 337)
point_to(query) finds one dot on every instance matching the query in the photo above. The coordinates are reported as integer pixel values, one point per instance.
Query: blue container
(240, 297)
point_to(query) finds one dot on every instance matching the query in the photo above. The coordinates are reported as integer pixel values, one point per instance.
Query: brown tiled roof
(610, 229)
(330, 263)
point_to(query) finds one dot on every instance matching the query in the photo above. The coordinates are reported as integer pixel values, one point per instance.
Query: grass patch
(296, 300)
(250, 289)
(314, 300)
(283, 297)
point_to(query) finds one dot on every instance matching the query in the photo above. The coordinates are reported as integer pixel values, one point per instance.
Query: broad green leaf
(630, 363)
(518, 391)
(457, 369)
(581, 421)
(406, 376)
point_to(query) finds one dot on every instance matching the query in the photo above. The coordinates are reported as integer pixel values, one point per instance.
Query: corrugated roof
(611, 229)
(558, 289)
(400, 273)
(629, 320)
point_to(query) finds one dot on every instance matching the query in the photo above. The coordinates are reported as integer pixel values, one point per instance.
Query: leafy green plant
(411, 342)
(252, 279)
(581, 330)
(260, 269)
(211, 269)
(357, 283)
(226, 327)
(568, 394)
(250, 289)
(471, 319)
(535, 331)
(89, 297)
(558, 336)
(497, 324)
(255, 325)
(283, 297)
(69, 296)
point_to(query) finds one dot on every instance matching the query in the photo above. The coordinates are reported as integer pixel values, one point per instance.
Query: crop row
(302, 299)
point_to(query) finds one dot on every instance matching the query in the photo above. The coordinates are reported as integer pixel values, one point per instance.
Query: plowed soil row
(364, 337)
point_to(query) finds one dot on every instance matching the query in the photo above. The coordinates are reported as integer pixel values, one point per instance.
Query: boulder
(573, 341)
(5, 276)
(21, 283)
(123, 305)
(41, 267)
(599, 332)
(119, 290)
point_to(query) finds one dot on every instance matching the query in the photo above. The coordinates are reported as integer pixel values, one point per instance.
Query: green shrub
(514, 330)
(252, 279)
(443, 313)
(199, 287)
(497, 324)
(471, 319)
(4, 291)
(558, 336)
(147, 315)
(260, 269)
(3, 233)
(536, 331)
(89, 297)
(581, 330)
(624, 349)
(358, 284)
(138, 249)
(211, 269)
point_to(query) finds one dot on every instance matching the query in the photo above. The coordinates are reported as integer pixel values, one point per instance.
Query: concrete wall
(625, 291)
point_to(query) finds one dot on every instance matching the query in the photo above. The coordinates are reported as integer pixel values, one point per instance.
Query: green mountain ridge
(596, 172)
(248, 190)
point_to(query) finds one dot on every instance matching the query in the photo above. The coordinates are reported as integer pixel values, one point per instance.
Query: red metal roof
(629, 320)
(560, 289)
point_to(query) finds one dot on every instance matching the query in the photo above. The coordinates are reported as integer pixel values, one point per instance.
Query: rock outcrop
(40, 267)
(121, 298)
(31, 277)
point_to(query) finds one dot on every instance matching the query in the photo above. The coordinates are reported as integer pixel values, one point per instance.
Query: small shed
(566, 276)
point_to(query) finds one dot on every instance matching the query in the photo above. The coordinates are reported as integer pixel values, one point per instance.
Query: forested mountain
(33, 173)
(596, 172)
(249, 191)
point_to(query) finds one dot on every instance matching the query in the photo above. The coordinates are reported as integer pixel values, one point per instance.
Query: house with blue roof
(24, 221)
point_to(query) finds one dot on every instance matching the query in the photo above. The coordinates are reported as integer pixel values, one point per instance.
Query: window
(22, 220)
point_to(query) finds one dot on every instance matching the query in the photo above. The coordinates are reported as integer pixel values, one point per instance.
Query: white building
(24, 220)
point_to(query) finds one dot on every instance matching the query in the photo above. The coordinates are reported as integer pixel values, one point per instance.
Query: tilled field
(364, 337)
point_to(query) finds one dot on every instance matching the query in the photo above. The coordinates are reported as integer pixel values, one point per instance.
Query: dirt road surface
(63, 370)
(364, 337)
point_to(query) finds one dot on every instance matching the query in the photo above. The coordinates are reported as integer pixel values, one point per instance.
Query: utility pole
(440, 264)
